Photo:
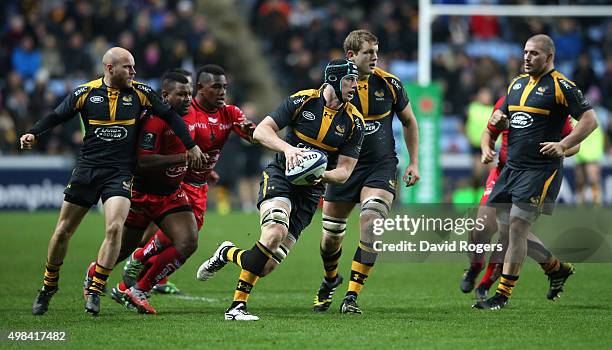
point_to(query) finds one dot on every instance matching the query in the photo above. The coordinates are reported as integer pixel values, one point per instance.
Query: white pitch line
(195, 298)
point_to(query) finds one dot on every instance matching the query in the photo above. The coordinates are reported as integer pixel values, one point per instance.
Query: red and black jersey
(211, 129)
(158, 138)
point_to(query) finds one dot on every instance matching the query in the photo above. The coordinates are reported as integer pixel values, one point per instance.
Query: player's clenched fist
(27, 141)
(499, 120)
(196, 158)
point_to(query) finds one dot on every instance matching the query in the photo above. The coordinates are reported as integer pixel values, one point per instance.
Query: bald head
(118, 68)
(114, 54)
(544, 42)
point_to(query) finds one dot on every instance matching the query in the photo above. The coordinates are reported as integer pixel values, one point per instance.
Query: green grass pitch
(406, 305)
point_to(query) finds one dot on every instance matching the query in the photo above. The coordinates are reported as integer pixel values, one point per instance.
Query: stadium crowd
(48, 47)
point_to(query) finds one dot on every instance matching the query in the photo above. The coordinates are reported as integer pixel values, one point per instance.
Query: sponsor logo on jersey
(565, 84)
(308, 115)
(111, 133)
(80, 91)
(517, 86)
(96, 99)
(143, 88)
(176, 171)
(396, 84)
(299, 100)
(371, 127)
(148, 141)
(521, 120)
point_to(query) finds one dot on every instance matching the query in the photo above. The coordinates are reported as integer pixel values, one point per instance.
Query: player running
(486, 214)
(110, 108)
(373, 182)
(321, 119)
(538, 104)
(212, 121)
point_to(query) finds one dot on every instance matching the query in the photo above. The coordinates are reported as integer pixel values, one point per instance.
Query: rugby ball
(311, 166)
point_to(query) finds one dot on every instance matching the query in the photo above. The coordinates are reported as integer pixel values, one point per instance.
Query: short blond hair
(356, 38)
(545, 42)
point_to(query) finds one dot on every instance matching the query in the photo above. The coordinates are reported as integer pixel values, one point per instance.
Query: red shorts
(150, 207)
(493, 175)
(197, 199)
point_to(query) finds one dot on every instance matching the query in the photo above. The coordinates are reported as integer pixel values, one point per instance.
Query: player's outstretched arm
(47, 123)
(411, 138)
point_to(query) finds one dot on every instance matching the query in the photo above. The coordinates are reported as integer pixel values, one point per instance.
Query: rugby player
(373, 182)
(212, 121)
(321, 119)
(536, 249)
(110, 108)
(537, 104)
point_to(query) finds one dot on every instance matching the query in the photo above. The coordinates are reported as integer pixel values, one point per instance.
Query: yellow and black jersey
(537, 109)
(378, 98)
(311, 124)
(111, 118)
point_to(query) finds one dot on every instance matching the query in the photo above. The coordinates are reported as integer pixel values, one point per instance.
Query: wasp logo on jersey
(340, 129)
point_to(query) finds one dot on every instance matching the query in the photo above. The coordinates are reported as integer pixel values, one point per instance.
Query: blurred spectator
(26, 58)
(51, 57)
(478, 113)
(584, 75)
(8, 137)
(568, 40)
(606, 84)
(76, 57)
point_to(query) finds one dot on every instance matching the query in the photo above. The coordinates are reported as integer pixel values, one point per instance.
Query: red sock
(490, 276)
(91, 270)
(157, 243)
(163, 281)
(122, 286)
(166, 262)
